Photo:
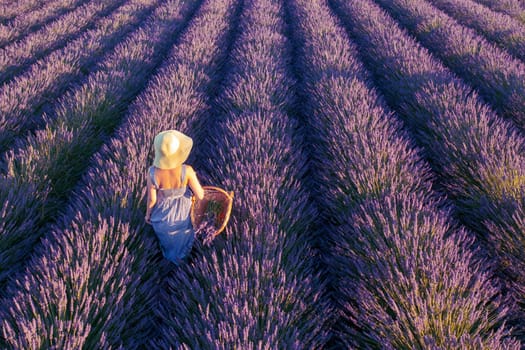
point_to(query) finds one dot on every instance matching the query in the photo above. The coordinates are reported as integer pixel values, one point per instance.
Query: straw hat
(172, 148)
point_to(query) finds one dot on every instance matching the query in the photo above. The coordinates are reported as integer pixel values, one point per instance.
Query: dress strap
(183, 173)
(152, 176)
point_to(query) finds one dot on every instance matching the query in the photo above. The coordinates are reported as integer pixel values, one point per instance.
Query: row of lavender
(25, 23)
(10, 9)
(101, 251)
(514, 8)
(497, 76)
(20, 54)
(24, 100)
(479, 157)
(255, 289)
(402, 274)
(42, 168)
(502, 29)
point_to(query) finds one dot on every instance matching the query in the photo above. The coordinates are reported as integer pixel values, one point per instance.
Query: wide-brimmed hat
(172, 148)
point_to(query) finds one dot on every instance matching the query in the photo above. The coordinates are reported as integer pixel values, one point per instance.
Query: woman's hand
(147, 218)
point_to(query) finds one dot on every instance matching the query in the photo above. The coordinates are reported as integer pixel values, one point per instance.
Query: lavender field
(376, 149)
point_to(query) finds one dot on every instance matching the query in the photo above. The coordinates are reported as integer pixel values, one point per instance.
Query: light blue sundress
(170, 218)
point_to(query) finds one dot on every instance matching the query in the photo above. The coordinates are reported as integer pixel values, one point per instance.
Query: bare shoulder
(189, 170)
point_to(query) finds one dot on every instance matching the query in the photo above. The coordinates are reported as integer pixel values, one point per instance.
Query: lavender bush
(478, 156)
(34, 20)
(76, 295)
(21, 212)
(388, 241)
(54, 158)
(24, 100)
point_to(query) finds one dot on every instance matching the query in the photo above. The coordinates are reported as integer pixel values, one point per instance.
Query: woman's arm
(194, 184)
(152, 198)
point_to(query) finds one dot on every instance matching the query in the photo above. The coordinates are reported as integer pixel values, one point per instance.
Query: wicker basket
(212, 195)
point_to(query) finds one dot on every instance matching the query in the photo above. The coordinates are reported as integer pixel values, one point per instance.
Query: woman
(169, 198)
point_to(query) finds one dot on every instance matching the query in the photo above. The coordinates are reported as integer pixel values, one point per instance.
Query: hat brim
(176, 159)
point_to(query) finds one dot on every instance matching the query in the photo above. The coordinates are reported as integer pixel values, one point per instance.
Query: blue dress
(170, 218)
